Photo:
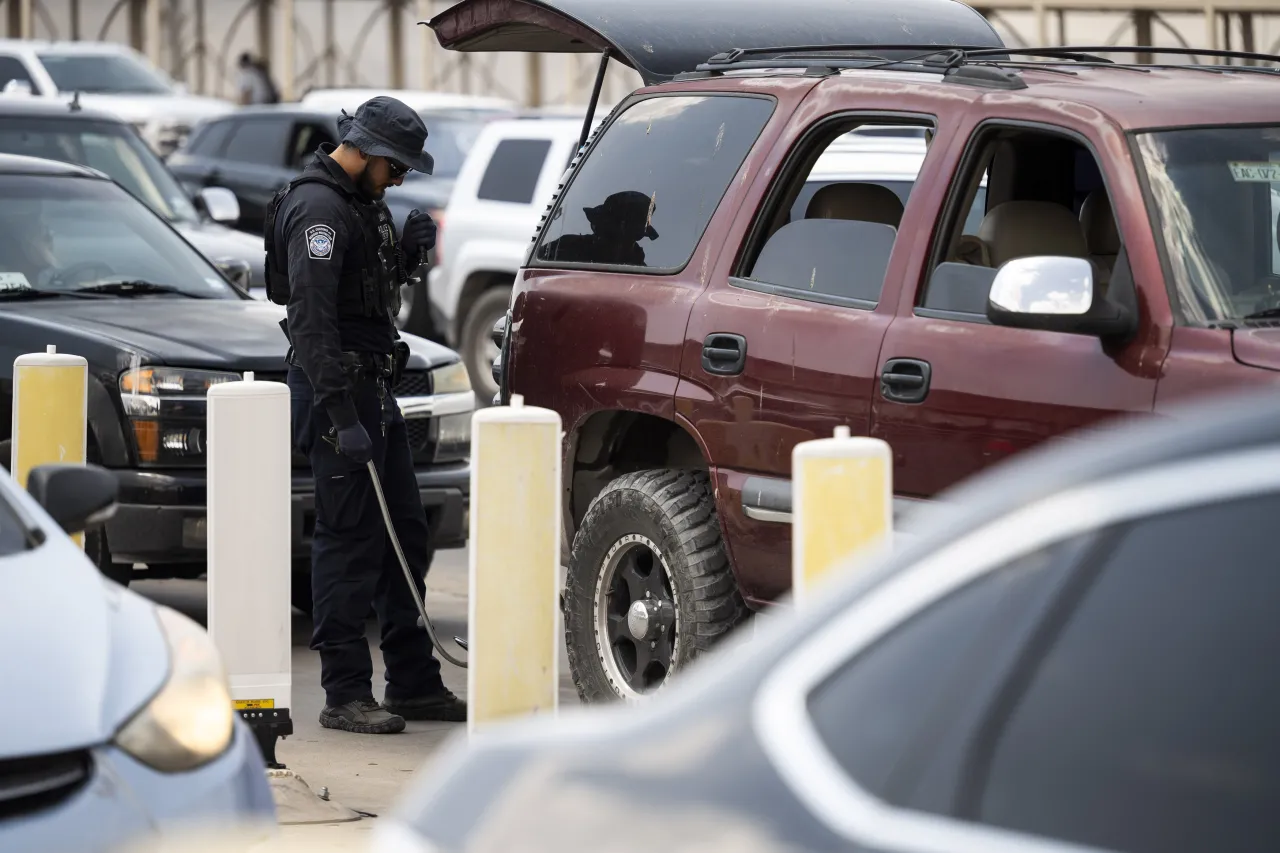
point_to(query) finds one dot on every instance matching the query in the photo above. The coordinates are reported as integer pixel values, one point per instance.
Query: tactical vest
(369, 283)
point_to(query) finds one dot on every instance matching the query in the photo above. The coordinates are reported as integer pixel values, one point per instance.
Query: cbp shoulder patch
(320, 242)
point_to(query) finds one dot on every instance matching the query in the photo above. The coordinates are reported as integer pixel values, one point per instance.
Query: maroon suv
(691, 322)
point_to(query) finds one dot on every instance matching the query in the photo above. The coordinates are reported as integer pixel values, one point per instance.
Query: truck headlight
(450, 379)
(166, 407)
(455, 401)
(190, 721)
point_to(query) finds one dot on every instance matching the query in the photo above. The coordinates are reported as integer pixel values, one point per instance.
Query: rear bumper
(162, 517)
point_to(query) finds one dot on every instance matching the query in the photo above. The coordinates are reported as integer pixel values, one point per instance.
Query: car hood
(1257, 347)
(142, 108)
(82, 654)
(221, 334)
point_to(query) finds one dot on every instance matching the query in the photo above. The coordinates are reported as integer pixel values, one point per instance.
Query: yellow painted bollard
(50, 412)
(842, 506)
(513, 648)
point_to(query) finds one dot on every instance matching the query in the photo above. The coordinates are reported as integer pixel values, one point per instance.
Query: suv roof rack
(983, 66)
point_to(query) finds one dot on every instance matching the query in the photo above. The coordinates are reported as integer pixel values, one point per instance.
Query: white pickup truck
(507, 182)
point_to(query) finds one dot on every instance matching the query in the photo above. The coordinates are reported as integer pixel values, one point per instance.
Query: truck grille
(415, 383)
(40, 782)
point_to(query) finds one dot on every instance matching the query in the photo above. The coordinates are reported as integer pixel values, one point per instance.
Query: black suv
(87, 267)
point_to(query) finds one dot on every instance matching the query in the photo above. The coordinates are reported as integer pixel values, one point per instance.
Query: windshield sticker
(14, 281)
(1255, 171)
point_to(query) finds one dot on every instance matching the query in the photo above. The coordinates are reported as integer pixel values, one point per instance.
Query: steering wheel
(96, 269)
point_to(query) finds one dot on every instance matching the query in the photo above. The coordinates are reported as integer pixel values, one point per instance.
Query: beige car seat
(860, 201)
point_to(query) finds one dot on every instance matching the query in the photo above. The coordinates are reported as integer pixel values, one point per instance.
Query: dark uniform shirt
(324, 242)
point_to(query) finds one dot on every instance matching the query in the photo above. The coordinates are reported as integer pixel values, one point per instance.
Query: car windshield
(110, 148)
(63, 234)
(1215, 196)
(448, 141)
(103, 73)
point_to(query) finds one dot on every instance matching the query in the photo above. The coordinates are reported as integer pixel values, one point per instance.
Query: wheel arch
(613, 442)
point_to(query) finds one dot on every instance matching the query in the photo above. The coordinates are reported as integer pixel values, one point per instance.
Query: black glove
(419, 234)
(354, 443)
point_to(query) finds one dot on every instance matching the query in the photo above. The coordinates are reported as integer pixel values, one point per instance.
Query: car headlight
(190, 722)
(451, 379)
(166, 408)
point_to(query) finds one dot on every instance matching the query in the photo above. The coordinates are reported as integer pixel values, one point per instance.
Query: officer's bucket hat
(386, 127)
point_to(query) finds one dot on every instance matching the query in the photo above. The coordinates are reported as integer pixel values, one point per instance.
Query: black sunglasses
(397, 170)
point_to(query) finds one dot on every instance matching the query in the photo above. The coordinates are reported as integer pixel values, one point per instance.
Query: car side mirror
(78, 497)
(221, 204)
(237, 270)
(1055, 294)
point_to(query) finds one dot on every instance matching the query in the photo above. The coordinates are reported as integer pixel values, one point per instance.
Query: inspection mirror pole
(595, 97)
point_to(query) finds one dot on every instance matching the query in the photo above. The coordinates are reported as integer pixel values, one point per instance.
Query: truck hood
(137, 109)
(83, 653)
(220, 334)
(1257, 347)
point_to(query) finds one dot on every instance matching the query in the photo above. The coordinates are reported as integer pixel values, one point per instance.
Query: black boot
(363, 716)
(440, 707)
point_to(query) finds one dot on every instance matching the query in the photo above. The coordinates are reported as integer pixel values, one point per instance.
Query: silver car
(121, 724)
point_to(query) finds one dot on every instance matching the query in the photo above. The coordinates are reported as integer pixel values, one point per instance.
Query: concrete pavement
(366, 773)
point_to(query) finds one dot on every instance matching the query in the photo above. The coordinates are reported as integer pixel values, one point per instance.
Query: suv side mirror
(237, 270)
(221, 203)
(78, 497)
(1055, 294)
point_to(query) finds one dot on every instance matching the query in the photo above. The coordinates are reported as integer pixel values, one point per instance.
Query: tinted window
(11, 68)
(116, 73)
(644, 195)
(13, 539)
(259, 142)
(108, 147)
(66, 233)
(870, 713)
(1150, 724)
(513, 171)
(207, 141)
(307, 139)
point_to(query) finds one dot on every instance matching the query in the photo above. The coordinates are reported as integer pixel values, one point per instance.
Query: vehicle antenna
(75, 102)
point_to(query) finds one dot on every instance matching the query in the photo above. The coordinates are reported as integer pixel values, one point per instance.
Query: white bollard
(249, 505)
(513, 647)
(842, 506)
(50, 413)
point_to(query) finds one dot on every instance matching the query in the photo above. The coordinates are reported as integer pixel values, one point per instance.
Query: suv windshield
(62, 234)
(115, 73)
(1215, 196)
(111, 148)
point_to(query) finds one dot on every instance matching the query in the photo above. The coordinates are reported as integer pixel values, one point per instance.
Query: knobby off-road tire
(664, 520)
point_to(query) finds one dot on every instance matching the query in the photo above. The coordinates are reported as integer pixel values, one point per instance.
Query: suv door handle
(905, 380)
(724, 354)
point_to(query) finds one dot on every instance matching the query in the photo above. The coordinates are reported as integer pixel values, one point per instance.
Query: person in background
(254, 85)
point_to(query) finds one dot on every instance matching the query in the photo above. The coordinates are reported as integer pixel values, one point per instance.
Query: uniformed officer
(336, 261)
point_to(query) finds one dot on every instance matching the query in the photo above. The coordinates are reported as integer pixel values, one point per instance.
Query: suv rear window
(513, 170)
(646, 192)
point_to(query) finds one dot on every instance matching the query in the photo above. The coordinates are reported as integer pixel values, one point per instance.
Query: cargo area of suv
(1079, 240)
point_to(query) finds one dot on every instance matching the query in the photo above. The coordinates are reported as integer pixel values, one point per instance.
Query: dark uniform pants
(353, 563)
